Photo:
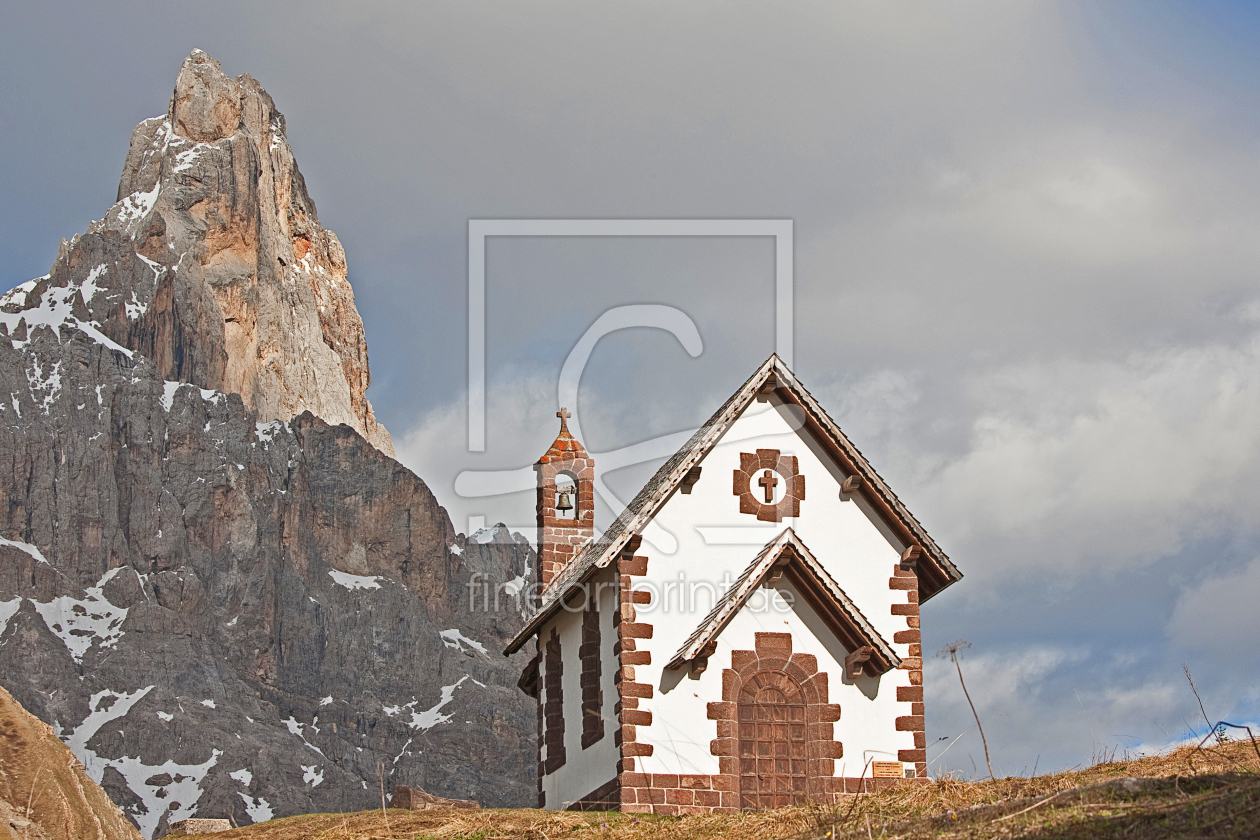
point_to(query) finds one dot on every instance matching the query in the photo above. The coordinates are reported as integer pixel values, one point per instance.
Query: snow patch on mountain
(28, 548)
(7, 610)
(80, 622)
(431, 717)
(55, 310)
(157, 799)
(453, 638)
(299, 729)
(259, 809)
(353, 582)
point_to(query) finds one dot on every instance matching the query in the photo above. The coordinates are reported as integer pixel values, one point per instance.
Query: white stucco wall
(706, 543)
(584, 770)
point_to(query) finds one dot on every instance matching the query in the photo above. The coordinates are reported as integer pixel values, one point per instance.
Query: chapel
(744, 635)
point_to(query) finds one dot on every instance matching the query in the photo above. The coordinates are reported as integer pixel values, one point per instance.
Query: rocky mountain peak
(229, 600)
(213, 263)
(206, 105)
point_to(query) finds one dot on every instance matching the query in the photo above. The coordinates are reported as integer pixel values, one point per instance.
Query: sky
(1024, 279)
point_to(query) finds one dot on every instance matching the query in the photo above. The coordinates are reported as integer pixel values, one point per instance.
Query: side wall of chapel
(590, 753)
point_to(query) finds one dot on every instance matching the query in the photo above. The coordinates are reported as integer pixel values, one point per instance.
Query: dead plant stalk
(952, 650)
(1202, 710)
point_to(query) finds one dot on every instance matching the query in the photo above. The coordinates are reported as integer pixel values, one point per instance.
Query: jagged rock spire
(206, 104)
(214, 265)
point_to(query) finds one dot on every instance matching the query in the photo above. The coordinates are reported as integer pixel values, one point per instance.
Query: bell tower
(566, 501)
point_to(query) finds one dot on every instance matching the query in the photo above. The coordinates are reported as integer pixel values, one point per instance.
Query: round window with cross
(769, 485)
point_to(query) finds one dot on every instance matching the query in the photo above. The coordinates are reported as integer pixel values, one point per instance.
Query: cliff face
(223, 601)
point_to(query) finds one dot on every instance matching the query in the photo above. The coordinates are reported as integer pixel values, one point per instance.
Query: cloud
(521, 425)
(1075, 467)
(999, 682)
(1220, 613)
(1048, 706)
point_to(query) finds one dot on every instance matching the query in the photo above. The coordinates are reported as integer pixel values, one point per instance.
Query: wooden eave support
(850, 485)
(910, 557)
(701, 662)
(855, 662)
(528, 682)
(689, 480)
(775, 573)
(632, 545)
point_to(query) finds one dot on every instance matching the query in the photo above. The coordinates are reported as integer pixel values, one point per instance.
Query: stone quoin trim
(592, 695)
(553, 706)
(629, 709)
(541, 770)
(904, 579)
(767, 469)
(530, 684)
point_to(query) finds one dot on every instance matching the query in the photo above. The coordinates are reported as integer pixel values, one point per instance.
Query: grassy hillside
(45, 794)
(1206, 793)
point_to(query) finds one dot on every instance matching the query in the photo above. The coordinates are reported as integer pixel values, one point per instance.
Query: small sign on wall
(887, 770)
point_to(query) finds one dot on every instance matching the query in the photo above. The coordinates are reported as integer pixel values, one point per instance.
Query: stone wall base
(665, 793)
(606, 797)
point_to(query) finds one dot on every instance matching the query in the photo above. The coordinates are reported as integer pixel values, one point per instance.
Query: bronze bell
(564, 503)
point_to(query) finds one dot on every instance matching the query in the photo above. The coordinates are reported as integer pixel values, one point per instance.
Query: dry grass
(1209, 793)
(1186, 793)
(526, 824)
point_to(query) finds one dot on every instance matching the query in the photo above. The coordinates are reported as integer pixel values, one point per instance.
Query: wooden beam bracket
(775, 573)
(855, 662)
(910, 557)
(689, 480)
(701, 663)
(632, 545)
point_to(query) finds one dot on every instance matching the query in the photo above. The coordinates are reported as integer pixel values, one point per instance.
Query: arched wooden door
(773, 752)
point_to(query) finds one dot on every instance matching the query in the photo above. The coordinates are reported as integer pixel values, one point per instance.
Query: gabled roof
(935, 571)
(788, 554)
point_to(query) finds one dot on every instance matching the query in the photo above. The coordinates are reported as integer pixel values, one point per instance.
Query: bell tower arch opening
(566, 501)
